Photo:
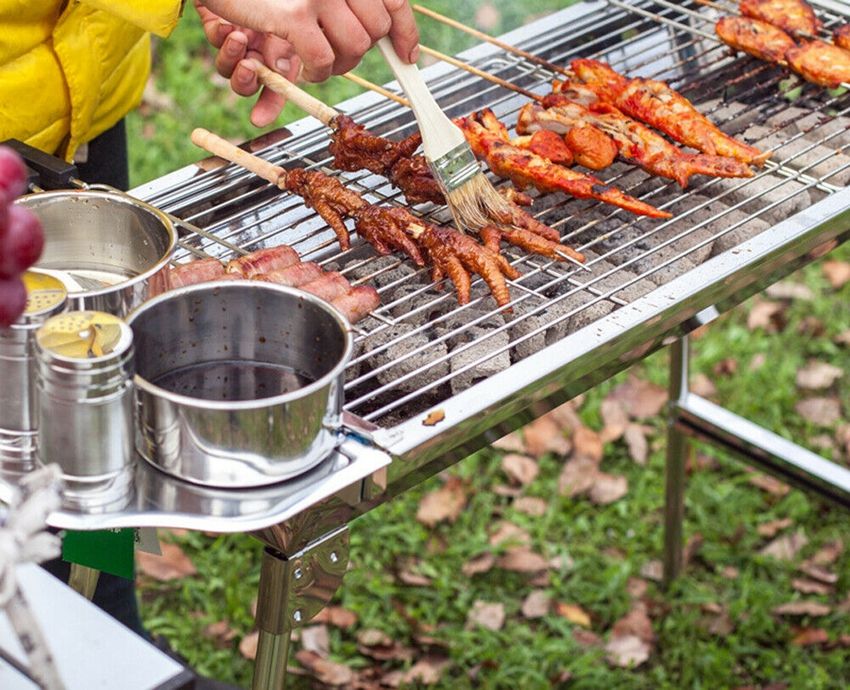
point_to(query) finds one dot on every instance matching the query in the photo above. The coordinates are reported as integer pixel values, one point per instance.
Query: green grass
(602, 546)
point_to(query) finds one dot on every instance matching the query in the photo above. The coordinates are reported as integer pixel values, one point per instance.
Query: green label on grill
(110, 551)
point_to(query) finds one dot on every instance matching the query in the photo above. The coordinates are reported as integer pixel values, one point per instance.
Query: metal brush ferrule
(457, 167)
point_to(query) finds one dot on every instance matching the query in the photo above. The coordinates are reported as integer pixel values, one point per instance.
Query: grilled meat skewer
(489, 140)
(820, 63)
(574, 105)
(795, 17)
(755, 37)
(656, 104)
(842, 36)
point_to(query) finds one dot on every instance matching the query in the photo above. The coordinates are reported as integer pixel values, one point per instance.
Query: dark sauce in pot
(232, 380)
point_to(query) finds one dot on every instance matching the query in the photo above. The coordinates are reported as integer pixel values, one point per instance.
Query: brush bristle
(476, 203)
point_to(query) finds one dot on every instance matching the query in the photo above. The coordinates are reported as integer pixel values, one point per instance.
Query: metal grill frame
(503, 401)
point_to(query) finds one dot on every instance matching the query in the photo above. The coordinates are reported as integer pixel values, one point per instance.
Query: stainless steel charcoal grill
(431, 382)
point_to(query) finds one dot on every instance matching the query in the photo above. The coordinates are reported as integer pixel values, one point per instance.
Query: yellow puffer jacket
(70, 69)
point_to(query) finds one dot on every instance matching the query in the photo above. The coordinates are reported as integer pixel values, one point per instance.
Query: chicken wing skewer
(573, 105)
(816, 61)
(489, 140)
(656, 104)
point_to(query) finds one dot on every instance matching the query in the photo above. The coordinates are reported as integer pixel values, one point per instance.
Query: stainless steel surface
(45, 297)
(569, 330)
(110, 250)
(293, 589)
(677, 450)
(84, 373)
(239, 383)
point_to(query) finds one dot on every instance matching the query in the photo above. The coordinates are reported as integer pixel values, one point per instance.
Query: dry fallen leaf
(587, 444)
(586, 638)
(530, 505)
(446, 503)
(703, 386)
(636, 587)
(819, 573)
(717, 620)
(635, 622)
(764, 314)
(773, 527)
(324, 670)
(173, 564)
(653, 570)
(408, 575)
(488, 17)
(221, 633)
(636, 442)
(391, 651)
(842, 338)
(565, 416)
(786, 547)
(802, 608)
(543, 436)
(789, 290)
(817, 375)
(577, 476)
(727, 366)
(627, 652)
(573, 613)
(519, 468)
(640, 398)
(370, 637)
(479, 564)
(608, 488)
(770, 484)
(828, 553)
(837, 273)
(521, 559)
(810, 586)
(820, 411)
(427, 671)
(512, 443)
(508, 533)
(336, 616)
(248, 645)
(487, 614)
(536, 604)
(315, 638)
(615, 419)
(810, 636)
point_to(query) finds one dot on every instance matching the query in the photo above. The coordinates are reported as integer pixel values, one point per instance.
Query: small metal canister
(46, 297)
(84, 374)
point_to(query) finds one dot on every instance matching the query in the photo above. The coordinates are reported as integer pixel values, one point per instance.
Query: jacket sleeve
(157, 16)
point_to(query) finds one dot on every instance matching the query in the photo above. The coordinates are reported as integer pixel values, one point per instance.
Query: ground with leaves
(535, 563)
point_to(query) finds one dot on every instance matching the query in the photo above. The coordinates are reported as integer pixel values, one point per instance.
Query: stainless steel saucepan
(238, 383)
(110, 250)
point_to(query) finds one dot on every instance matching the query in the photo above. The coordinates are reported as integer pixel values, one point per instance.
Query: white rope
(23, 539)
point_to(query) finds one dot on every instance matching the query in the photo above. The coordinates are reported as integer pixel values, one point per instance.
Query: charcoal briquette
(403, 356)
(485, 342)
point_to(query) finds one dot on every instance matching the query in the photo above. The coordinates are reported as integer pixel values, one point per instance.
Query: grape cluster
(21, 238)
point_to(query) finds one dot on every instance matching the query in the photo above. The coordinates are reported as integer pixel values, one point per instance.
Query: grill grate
(420, 347)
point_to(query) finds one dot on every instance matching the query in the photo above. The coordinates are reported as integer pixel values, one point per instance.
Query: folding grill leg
(677, 450)
(292, 590)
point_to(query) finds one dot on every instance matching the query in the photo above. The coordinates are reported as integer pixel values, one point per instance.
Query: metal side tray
(333, 490)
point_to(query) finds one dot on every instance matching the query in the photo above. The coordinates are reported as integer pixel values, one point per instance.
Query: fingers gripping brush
(471, 198)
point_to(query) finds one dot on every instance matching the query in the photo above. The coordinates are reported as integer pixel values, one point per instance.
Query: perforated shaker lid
(46, 295)
(84, 335)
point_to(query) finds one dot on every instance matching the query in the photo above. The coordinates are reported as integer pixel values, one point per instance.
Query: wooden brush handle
(222, 148)
(281, 85)
(439, 134)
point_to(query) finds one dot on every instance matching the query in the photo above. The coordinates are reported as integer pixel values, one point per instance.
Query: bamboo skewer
(478, 72)
(480, 35)
(214, 144)
(281, 85)
(360, 81)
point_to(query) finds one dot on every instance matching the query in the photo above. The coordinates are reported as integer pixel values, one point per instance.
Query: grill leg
(292, 590)
(677, 450)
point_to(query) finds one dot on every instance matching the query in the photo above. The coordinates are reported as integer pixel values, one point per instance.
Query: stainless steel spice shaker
(46, 296)
(84, 374)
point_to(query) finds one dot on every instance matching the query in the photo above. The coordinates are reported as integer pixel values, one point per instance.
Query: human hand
(235, 45)
(329, 36)
(21, 238)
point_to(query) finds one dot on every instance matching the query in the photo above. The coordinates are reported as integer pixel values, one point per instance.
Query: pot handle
(44, 170)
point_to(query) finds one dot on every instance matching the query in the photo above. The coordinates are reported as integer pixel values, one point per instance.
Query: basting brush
(471, 198)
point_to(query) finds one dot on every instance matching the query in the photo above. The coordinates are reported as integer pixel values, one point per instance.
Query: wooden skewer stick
(360, 81)
(281, 85)
(480, 35)
(478, 72)
(222, 148)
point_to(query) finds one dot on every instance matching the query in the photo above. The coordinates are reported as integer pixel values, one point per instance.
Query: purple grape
(13, 178)
(13, 298)
(22, 242)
